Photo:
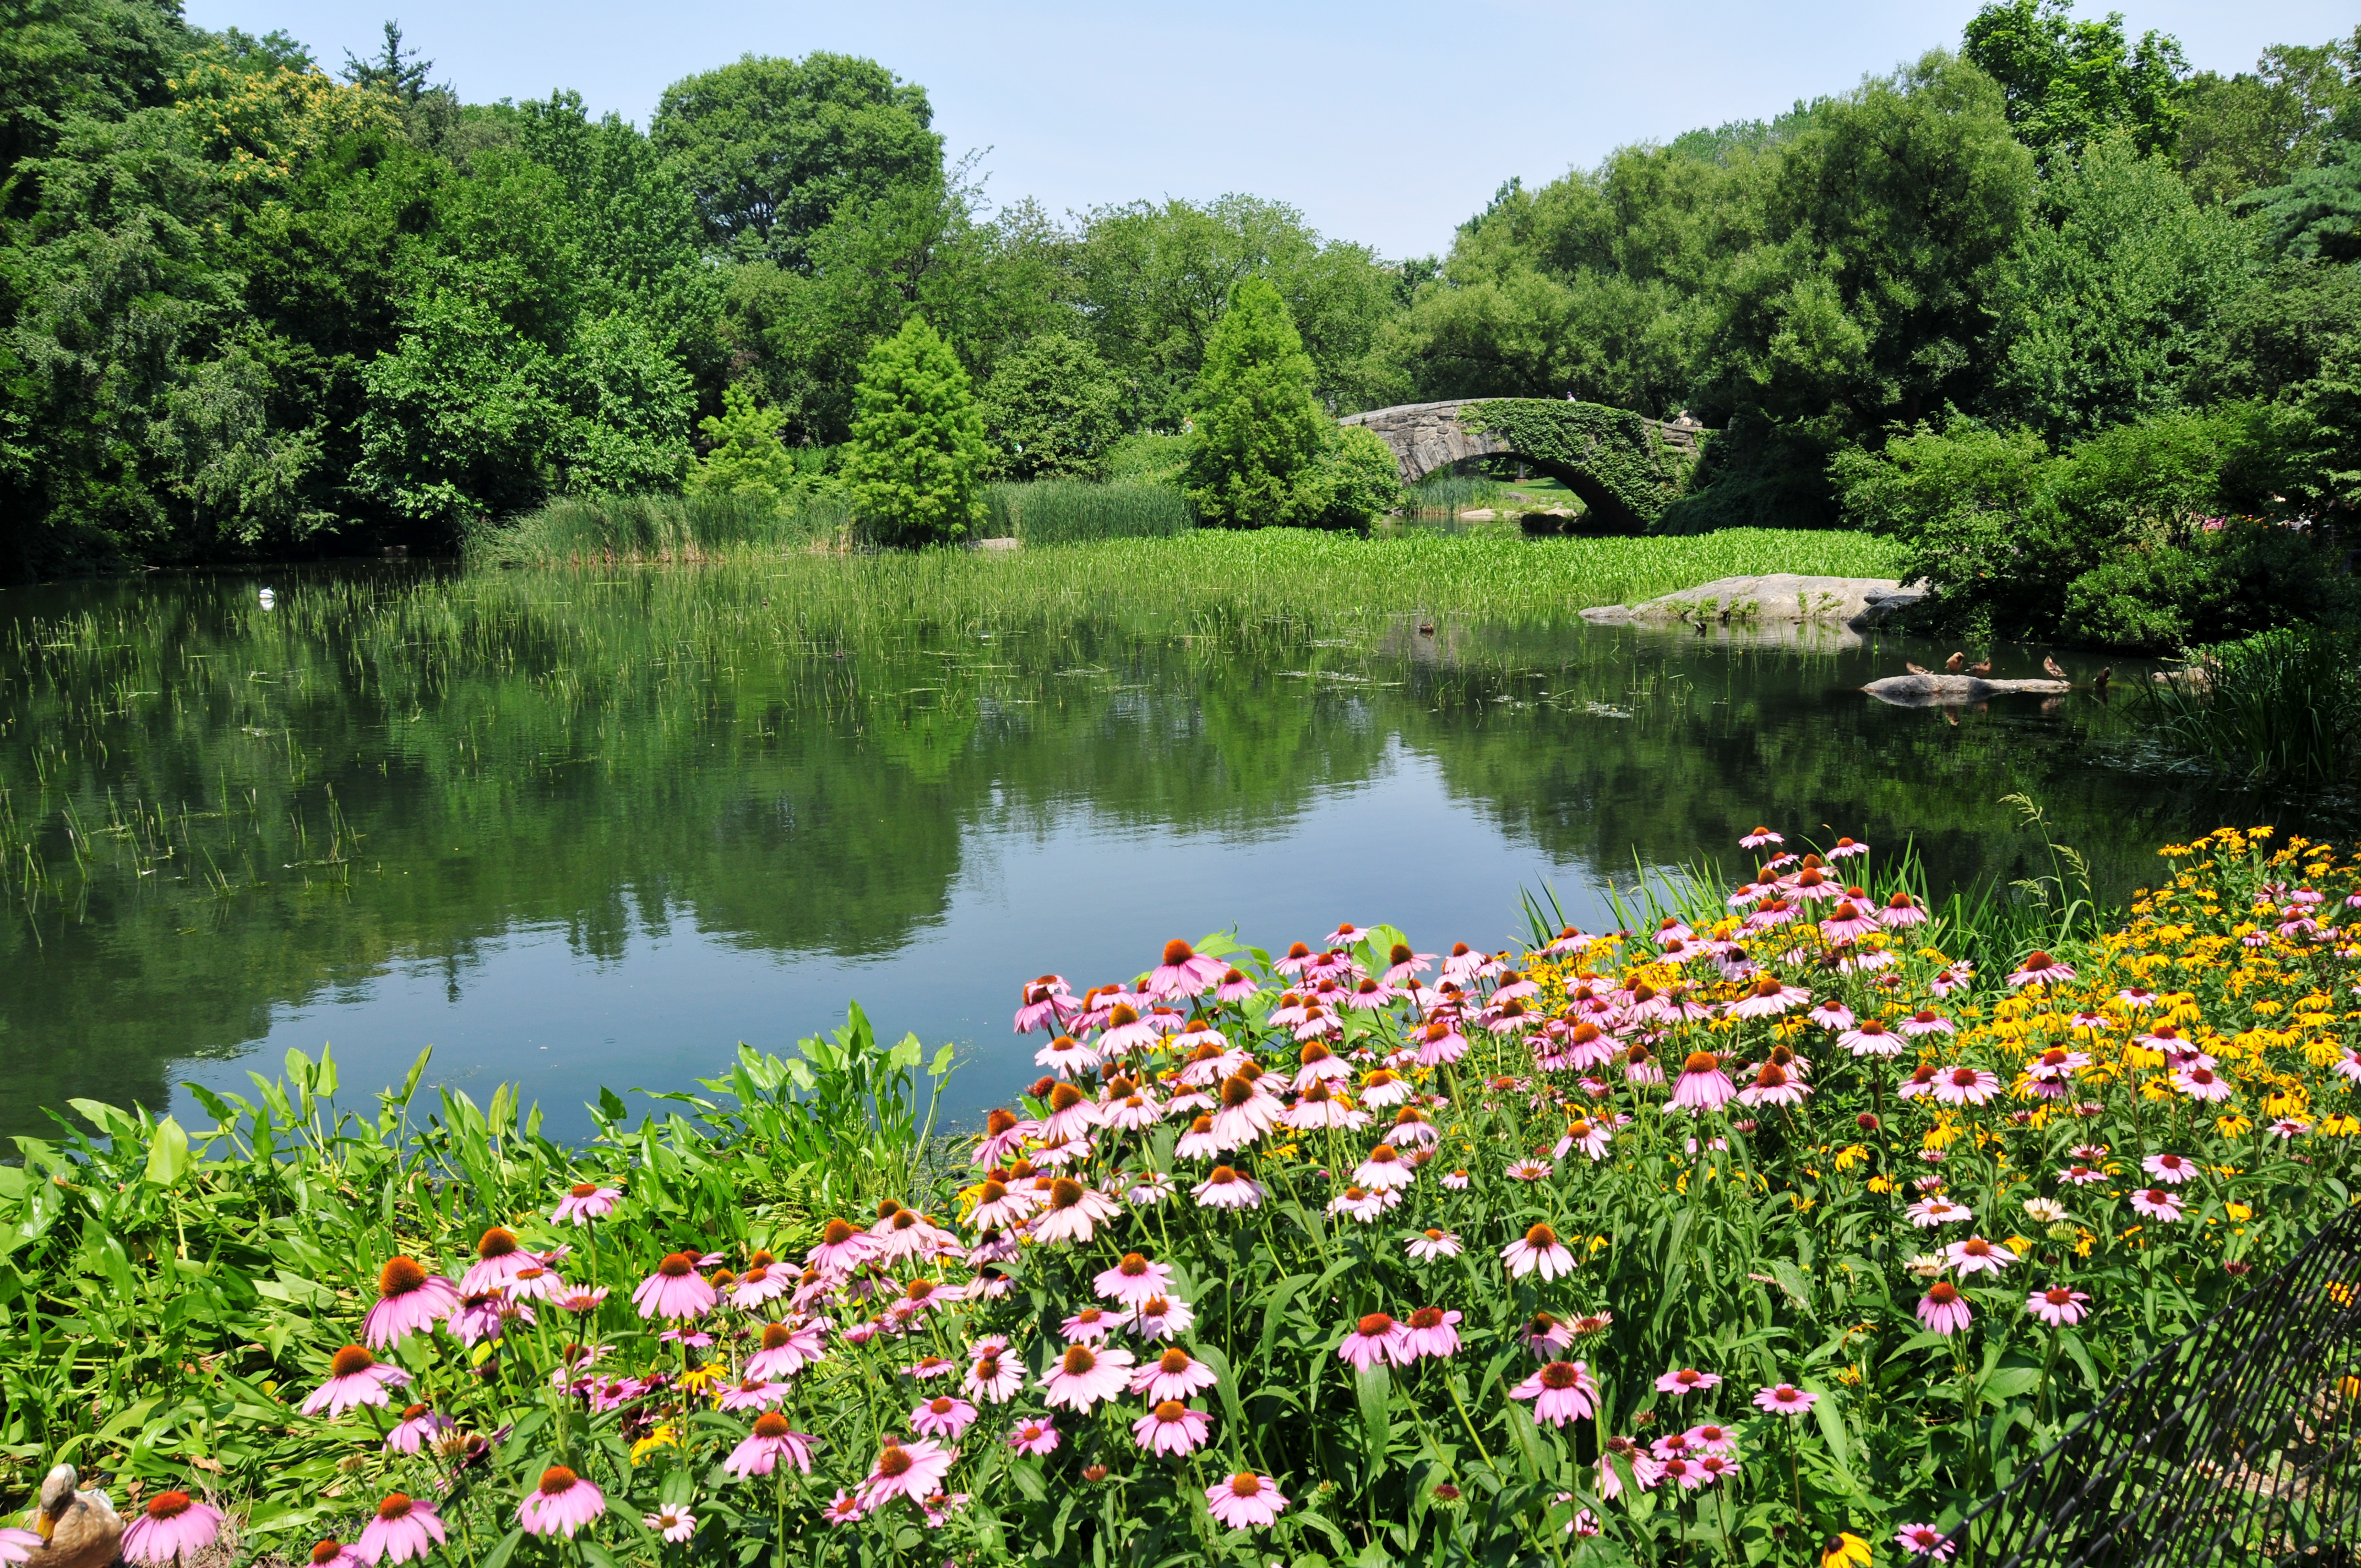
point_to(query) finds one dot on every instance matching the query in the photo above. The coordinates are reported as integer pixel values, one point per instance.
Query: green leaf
(1831, 1418)
(2009, 1382)
(500, 1554)
(167, 1153)
(1375, 1388)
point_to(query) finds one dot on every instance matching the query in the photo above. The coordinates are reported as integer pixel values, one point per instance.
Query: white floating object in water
(267, 598)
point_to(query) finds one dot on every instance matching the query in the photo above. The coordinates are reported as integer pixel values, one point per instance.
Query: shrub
(2281, 706)
(745, 456)
(2231, 576)
(915, 467)
(1365, 479)
(1145, 457)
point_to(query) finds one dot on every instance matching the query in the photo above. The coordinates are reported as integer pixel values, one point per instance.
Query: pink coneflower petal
(562, 1504)
(585, 1201)
(1562, 1391)
(403, 1528)
(1171, 1428)
(171, 1527)
(1245, 1501)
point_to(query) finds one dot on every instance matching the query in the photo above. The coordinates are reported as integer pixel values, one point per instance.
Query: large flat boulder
(1945, 690)
(1856, 603)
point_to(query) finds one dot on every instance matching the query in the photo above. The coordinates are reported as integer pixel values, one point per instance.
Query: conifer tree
(1260, 437)
(916, 460)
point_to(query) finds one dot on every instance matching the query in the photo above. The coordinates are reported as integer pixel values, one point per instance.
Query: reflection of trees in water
(603, 771)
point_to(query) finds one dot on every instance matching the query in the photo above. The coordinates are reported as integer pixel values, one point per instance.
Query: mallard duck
(1913, 669)
(1952, 664)
(2056, 673)
(1980, 670)
(78, 1529)
(2099, 683)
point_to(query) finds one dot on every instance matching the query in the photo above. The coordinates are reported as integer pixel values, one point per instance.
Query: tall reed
(1453, 492)
(2280, 707)
(1066, 511)
(659, 528)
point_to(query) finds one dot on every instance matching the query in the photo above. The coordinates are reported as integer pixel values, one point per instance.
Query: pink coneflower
(1538, 1250)
(842, 1249)
(1236, 985)
(1431, 1332)
(562, 1504)
(2058, 1306)
(1248, 1112)
(355, 1377)
(1091, 1325)
(753, 1393)
(945, 1415)
(1377, 1340)
(1074, 1211)
(1428, 1245)
(1943, 1310)
(1936, 1210)
(1767, 998)
(2040, 969)
(1385, 1089)
(1774, 1086)
(1965, 1086)
(2290, 1127)
(1170, 1427)
(1133, 1279)
(1759, 838)
(1703, 1086)
(2156, 1203)
(1455, 1181)
(1245, 1501)
(585, 1201)
(1687, 1381)
(1036, 1436)
(1545, 1334)
(1005, 1133)
(1072, 1115)
(674, 1523)
(1563, 1391)
(403, 1528)
(1084, 1375)
(913, 1470)
(1901, 910)
(1712, 1437)
(2057, 1065)
(1785, 1399)
(1871, 1038)
(1977, 1256)
(16, 1545)
(1848, 922)
(784, 1350)
(2172, 1169)
(1385, 1170)
(1198, 1142)
(1127, 1031)
(409, 1299)
(2202, 1083)
(1361, 1204)
(1044, 1002)
(1646, 1472)
(498, 1258)
(1831, 1015)
(1591, 1137)
(1149, 1189)
(1174, 1374)
(1162, 1317)
(1225, 1188)
(1923, 1540)
(2081, 1176)
(1927, 1021)
(419, 1426)
(1528, 1170)
(674, 1290)
(484, 1317)
(172, 1527)
(1184, 973)
(1401, 963)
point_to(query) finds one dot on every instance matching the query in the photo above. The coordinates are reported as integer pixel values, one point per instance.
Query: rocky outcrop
(1854, 603)
(1937, 691)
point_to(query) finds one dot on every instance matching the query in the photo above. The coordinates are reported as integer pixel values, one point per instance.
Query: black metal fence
(2234, 1445)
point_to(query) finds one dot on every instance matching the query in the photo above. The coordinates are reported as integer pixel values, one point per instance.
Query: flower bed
(1774, 1234)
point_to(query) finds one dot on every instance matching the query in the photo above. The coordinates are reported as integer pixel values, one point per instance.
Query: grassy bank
(237, 1309)
(1287, 575)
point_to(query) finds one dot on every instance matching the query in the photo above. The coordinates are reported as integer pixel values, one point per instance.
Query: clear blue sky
(1386, 123)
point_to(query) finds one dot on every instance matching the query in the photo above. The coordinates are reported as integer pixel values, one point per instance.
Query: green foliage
(1153, 280)
(2259, 128)
(1143, 457)
(2070, 82)
(772, 148)
(1364, 477)
(691, 527)
(1067, 511)
(2109, 296)
(1259, 436)
(914, 468)
(2316, 215)
(743, 454)
(1622, 470)
(2106, 540)
(1052, 410)
(2281, 706)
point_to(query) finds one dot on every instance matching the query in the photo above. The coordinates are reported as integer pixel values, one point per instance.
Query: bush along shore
(1768, 1231)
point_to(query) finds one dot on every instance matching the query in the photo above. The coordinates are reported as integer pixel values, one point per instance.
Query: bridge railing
(2235, 1444)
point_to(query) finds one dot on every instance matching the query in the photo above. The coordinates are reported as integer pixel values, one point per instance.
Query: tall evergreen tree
(1259, 435)
(916, 463)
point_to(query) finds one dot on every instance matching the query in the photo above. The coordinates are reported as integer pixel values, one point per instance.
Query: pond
(586, 829)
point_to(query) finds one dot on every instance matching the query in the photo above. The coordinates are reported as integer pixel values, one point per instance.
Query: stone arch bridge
(1627, 469)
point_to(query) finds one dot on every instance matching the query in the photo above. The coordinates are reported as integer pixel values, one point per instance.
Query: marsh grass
(649, 528)
(2282, 707)
(1071, 511)
(1448, 492)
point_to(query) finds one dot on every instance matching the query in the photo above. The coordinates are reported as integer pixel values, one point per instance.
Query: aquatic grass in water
(1068, 512)
(2282, 707)
(658, 528)
(1449, 492)
(1793, 1184)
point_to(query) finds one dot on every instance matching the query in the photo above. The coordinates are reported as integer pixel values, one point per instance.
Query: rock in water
(1932, 691)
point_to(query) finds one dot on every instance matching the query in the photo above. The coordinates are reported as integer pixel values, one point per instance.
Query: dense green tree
(771, 148)
(2111, 292)
(2068, 81)
(2316, 215)
(64, 58)
(1155, 280)
(2261, 128)
(1364, 477)
(743, 455)
(1260, 437)
(1052, 410)
(915, 464)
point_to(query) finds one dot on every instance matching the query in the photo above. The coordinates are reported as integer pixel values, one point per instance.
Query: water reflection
(605, 860)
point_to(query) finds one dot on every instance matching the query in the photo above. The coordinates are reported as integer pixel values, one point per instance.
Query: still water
(573, 833)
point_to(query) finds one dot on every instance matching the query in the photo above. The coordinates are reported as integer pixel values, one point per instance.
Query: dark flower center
(400, 1276)
(557, 1480)
(1558, 1375)
(678, 1265)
